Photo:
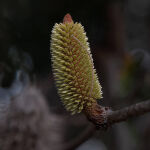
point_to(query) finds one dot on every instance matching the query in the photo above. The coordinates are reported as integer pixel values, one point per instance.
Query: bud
(73, 67)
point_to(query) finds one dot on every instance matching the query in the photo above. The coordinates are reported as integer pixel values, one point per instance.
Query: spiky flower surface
(73, 68)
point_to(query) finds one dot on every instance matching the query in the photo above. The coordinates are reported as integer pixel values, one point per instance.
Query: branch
(128, 112)
(112, 117)
(103, 117)
(85, 135)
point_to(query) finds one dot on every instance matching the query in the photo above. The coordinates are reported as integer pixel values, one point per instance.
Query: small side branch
(128, 112)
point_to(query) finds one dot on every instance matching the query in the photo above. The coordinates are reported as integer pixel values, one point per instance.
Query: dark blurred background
(119, 37)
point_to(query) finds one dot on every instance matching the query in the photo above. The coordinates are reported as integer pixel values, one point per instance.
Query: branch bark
(128, 112)
(112, 117)
(103, 117)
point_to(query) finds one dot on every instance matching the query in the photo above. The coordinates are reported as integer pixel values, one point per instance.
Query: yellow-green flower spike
(73, 67)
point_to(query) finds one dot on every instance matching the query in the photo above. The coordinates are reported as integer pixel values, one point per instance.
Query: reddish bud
(67, 19)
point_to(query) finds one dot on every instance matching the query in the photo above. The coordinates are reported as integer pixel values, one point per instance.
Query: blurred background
(31, 113)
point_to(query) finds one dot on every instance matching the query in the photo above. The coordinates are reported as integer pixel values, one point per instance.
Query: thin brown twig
(85, 135)
(128, 112)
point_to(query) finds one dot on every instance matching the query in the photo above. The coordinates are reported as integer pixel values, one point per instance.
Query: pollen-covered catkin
(73, 67)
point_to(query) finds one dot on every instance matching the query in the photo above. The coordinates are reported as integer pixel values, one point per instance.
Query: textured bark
(97, 114)
(103, 117)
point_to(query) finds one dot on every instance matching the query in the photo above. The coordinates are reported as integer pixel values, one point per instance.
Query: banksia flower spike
(73, 67)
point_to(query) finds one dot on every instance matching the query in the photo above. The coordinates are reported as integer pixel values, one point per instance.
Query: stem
(103, 117)
(128, 112)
